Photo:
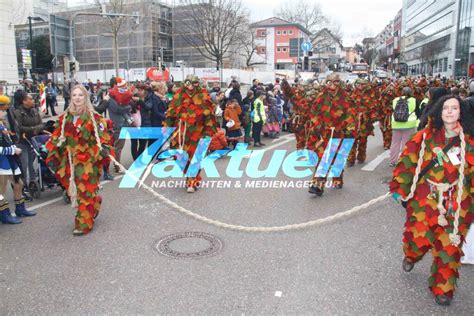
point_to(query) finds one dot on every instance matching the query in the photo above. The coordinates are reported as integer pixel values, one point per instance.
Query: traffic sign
(26, 58)
(306, 46)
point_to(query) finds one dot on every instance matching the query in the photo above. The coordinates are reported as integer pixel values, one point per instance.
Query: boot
(20, 209)
(315, 190)
(407, 265)
(443, 300)
(7, 218)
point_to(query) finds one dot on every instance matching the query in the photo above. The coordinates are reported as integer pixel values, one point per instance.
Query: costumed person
(434, 180)
(331, 117)
(10, 170)
(300, 117)
(191, 112)
(384, 113)
(363, 100)
(77, 151)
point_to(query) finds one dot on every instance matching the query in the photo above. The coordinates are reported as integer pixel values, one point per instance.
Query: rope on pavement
(262, 229)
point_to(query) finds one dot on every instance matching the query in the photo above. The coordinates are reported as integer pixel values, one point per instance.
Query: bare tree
(247, 46)
(212, 26)
(304, 12)
(369, 55)
(115, 25)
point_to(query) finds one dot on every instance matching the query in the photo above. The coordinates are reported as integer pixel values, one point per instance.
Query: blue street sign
(306, 46)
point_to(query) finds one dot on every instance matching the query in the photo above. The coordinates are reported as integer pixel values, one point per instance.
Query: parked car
(352, 78)
(322, 76)
(382, 74)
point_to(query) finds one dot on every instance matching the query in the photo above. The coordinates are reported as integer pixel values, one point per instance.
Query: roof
(325, 30)
(274, 22)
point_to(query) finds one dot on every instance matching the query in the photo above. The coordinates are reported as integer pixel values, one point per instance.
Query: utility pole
(33, 54)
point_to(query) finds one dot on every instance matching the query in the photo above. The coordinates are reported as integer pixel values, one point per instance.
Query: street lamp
(33, 55)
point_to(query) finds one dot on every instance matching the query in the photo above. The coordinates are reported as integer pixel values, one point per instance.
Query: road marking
(38, 206)
(278, 293)
(374, 163)
(255, 151)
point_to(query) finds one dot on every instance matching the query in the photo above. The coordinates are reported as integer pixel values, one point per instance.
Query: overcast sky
(358, 18)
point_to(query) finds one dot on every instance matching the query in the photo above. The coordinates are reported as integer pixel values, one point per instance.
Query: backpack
(401, 112)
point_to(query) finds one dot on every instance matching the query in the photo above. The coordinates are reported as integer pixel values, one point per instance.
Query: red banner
(154, 73)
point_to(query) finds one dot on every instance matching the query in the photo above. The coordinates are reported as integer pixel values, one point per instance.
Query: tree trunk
(116, 55)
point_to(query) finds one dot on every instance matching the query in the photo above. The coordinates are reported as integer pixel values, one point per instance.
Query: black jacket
(158, 110)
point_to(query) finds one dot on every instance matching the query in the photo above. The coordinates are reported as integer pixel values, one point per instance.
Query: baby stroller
(44, 177)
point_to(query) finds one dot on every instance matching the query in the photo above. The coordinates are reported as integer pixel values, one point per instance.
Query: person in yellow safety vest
(258, 118)
(402, 131)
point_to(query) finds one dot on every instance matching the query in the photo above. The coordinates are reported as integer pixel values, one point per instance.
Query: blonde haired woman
(76, 152)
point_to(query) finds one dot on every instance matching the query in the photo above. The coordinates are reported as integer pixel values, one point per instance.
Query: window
(278, 49)
(284, 49)
(278, 32)
(445, 64)
(261, 50)
(290, 32)
(261, 33)
(284, 32)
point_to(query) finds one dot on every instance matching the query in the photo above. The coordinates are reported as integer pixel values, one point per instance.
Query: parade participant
(331, 117)
(384, 113)
(300, 118)
(10, 170)
(191, 112)
(434, 180)
(363, 100)
(77, 152)
(404, 123)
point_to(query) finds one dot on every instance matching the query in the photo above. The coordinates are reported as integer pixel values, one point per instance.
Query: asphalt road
(352, 266)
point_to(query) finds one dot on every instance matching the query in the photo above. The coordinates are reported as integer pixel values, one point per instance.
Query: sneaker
(262, 144)
(392, 164)
(190, 190)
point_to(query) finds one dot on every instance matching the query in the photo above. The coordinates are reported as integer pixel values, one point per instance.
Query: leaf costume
(364, 102)
(191, 112)
(300, 113)
(384, 113)
(74, 140)
(435, 221)
(332, 116)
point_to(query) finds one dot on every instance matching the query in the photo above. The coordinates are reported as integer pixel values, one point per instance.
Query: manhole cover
(183, 245)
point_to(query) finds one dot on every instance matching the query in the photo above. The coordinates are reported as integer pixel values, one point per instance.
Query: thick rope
(454, 236)
(72, 191)
(261, 229)
(417, 170)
